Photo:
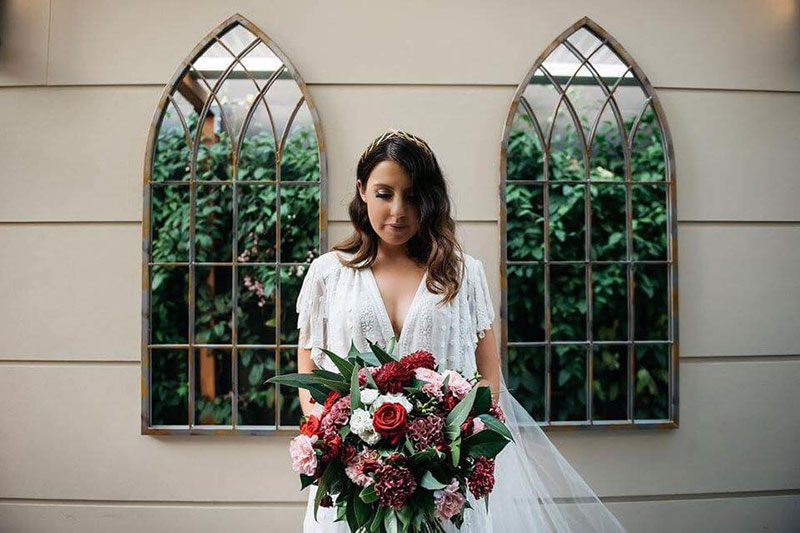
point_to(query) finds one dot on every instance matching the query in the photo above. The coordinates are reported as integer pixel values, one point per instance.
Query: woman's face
(392, 208)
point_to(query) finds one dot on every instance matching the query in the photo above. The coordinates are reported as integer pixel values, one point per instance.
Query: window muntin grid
(234, 211)
(589, 250)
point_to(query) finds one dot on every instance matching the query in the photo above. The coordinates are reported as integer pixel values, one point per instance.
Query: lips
(394, 226)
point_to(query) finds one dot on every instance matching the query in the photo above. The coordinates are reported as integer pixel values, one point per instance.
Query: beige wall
(79, 81)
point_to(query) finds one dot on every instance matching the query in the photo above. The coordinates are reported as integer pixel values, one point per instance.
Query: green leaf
(303, 380)
(483, 400)
(327, 374)
(390, 522)
(404, 514)
(368, 494)
(431, 483)
(305, 481)
(455, 451)
(378, 520)
(324, 482)
(493, 424)
(355, 394)
(486, 443)
(353, 350)
(362, 510)
(371, 380)
(381, 355)
(345, 367)
(459, 413)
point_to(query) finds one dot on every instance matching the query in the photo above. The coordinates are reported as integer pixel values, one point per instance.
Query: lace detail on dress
(482, 310)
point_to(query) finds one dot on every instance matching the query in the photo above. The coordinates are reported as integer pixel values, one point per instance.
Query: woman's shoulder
(329, 262)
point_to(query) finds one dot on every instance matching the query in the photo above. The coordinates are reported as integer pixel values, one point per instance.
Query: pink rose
(304, 461)
(429, 376)
(448, 501)
(457, 383)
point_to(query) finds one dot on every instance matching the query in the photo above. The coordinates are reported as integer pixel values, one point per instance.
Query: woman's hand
(487, 360)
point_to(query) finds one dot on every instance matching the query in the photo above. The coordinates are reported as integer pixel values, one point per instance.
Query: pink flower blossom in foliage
(361, 465)
(301, 449)
(477, 425)
(448, 501)
(457, 383)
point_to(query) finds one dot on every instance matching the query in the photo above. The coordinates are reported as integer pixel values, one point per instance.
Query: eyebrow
(388, 186)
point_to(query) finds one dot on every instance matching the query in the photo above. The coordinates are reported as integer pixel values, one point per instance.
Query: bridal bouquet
(398, 443)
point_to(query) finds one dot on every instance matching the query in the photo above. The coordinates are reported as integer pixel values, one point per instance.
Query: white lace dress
(338, 304)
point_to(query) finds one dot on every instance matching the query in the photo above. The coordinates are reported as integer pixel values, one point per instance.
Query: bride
(403, 274)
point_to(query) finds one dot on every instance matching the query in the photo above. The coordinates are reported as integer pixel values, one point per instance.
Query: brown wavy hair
(435, 243)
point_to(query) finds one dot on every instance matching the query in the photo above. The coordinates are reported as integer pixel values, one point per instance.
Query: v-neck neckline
(382, 303)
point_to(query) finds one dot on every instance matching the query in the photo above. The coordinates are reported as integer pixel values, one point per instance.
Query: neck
(389, 252)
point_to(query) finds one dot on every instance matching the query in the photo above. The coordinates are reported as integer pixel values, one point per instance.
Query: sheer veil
(535, 487)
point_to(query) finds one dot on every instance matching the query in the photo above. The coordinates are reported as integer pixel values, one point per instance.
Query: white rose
(369, 395)
(360, 420)
(395, 398)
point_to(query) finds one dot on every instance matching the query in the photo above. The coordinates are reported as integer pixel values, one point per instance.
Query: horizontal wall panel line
(188, 503)
(394, 84)
(111, 362)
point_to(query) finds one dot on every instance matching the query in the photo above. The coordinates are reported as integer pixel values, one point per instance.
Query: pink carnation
(358, 467)
(449, 501)
(301, 449)
(457, 383)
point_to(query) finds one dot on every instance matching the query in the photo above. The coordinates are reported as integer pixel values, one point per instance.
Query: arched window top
(234, 212)
(589, 239)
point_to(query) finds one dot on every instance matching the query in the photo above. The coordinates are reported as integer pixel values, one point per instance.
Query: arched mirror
(234, 211)
(589, 240)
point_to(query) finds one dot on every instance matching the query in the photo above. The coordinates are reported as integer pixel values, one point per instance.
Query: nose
(398, 208)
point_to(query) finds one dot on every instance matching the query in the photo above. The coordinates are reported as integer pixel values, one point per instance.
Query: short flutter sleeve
(311, 312)
(481, 307)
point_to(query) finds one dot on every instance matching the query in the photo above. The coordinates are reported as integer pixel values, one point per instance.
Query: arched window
(234, 211)
(588, 227)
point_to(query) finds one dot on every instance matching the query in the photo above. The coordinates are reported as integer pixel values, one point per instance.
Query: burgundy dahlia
(419, 359)
(425, 432)
(394, 485)
(481, 480)
(392, 377)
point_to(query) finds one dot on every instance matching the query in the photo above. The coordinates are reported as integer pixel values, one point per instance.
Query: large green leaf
(459, 413)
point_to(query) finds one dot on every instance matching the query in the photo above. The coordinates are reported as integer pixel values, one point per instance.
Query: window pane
(213, 387)
(257, 154)
(525, 297)
(213, 234)
(608, 222)
(288, 396)
(526, 378)
(256, 312)
(652, 382)
(568, 383)
(567, 222)
(649, 222)
(257, 221)
(169, 391)
(299, 223)
(568, 302)
(291, 281)
(610, 313)
(212, 316)
(169, 217)
(648, 155)
(172, 155)
(610, 383)
(525, 222)
(525, 157)
(169, 318)
(651, 304)
(300, 155)
(256, 398)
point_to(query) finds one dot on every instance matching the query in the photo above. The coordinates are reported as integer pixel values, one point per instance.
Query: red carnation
(390, 421)
(450, 401)
(466, 427)
(326, 501)
(394, 485)
(333, 444)
(496, 411)
(310, 426)
(419, 359)
(392, 377)
(347, 453)
(481, 480)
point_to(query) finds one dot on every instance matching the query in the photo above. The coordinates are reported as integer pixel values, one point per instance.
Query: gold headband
(396, 133)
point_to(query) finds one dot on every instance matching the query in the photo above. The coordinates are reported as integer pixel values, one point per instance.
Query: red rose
(390, 421)
(331, 399)
(310, 426)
